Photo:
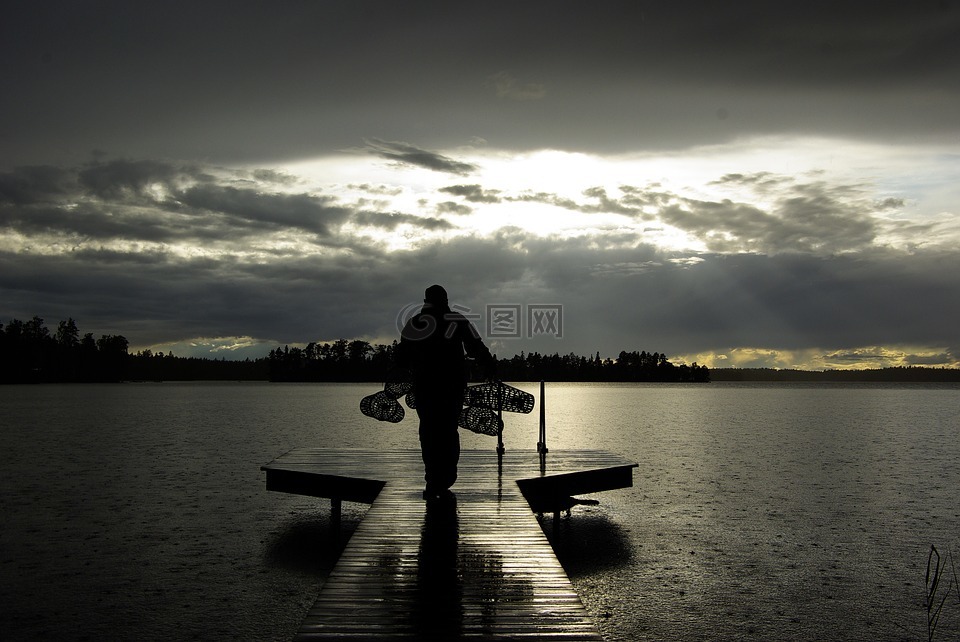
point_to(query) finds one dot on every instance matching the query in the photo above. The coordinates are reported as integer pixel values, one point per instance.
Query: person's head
(435, 295)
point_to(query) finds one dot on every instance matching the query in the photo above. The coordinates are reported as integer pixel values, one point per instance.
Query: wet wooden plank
(474, 566)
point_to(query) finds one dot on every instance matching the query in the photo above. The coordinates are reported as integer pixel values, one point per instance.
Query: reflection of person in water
(432, 345)
(437, 612)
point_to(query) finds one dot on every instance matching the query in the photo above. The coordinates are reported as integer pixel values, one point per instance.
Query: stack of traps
(478, 415)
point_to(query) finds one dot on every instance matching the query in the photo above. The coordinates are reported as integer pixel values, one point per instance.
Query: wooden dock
(473, 566)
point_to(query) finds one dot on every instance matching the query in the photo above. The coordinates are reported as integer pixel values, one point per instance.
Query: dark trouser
(439, 409)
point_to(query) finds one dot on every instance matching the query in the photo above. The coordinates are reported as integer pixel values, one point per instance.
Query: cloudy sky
(733, 183)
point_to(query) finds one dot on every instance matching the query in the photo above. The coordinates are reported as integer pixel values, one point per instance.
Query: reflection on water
(437, 610)
(310, 545)
(459, 587)
(758, 512)
(588, 542)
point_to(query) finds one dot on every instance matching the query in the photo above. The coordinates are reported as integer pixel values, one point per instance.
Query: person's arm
(477, 349)
(403, 354)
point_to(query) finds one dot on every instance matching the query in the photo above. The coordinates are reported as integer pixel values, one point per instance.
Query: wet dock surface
(475, 565)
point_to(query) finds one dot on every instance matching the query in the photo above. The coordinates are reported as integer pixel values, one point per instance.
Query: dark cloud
(155, 202)
(640, 197)
(614, 298)
(95, 222)
(550, 199)
(853, 357)
(248, 81)
(317, 214)
(384, 190)
(273, 176)
(390, 220)
(473, 193)
(449, 207)
(930, 360)
(631, 202)
(408, 154)
(886, 358)
(628, 206)
(784, 302)
(760, 182)
(118, 179)
(817, 222)
(805, 217)
(35, 184)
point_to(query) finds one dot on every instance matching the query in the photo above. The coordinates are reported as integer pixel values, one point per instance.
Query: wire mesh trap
(489, 395)
(382, 407)
(481, 404)
(482, 421)
(397, 389)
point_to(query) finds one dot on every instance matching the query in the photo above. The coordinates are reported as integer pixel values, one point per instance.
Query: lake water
(766, 511)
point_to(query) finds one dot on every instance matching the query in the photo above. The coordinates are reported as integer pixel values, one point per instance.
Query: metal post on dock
(542, 440)
(500, 448)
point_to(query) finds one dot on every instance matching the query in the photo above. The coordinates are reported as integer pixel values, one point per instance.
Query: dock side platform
(473, 566)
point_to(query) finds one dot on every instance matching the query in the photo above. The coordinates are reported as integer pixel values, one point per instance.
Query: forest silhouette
(31, 353)
(357, 360)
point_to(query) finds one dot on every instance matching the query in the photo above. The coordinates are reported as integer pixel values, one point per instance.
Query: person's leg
(429, 428)
(439, 438)
(448, 444)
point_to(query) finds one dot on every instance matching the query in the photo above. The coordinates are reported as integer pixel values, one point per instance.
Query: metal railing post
(500, 448)
(542, 440)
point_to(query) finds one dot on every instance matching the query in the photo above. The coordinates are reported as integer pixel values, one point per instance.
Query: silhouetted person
(432, 346)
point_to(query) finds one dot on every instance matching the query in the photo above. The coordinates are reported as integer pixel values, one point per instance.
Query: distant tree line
(628, 366)
(357, 360)
(905, 374)
(149, 366)
(32, 353)
(29, 352)
(341, 360)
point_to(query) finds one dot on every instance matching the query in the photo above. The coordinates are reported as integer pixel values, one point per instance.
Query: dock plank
(474, 566)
